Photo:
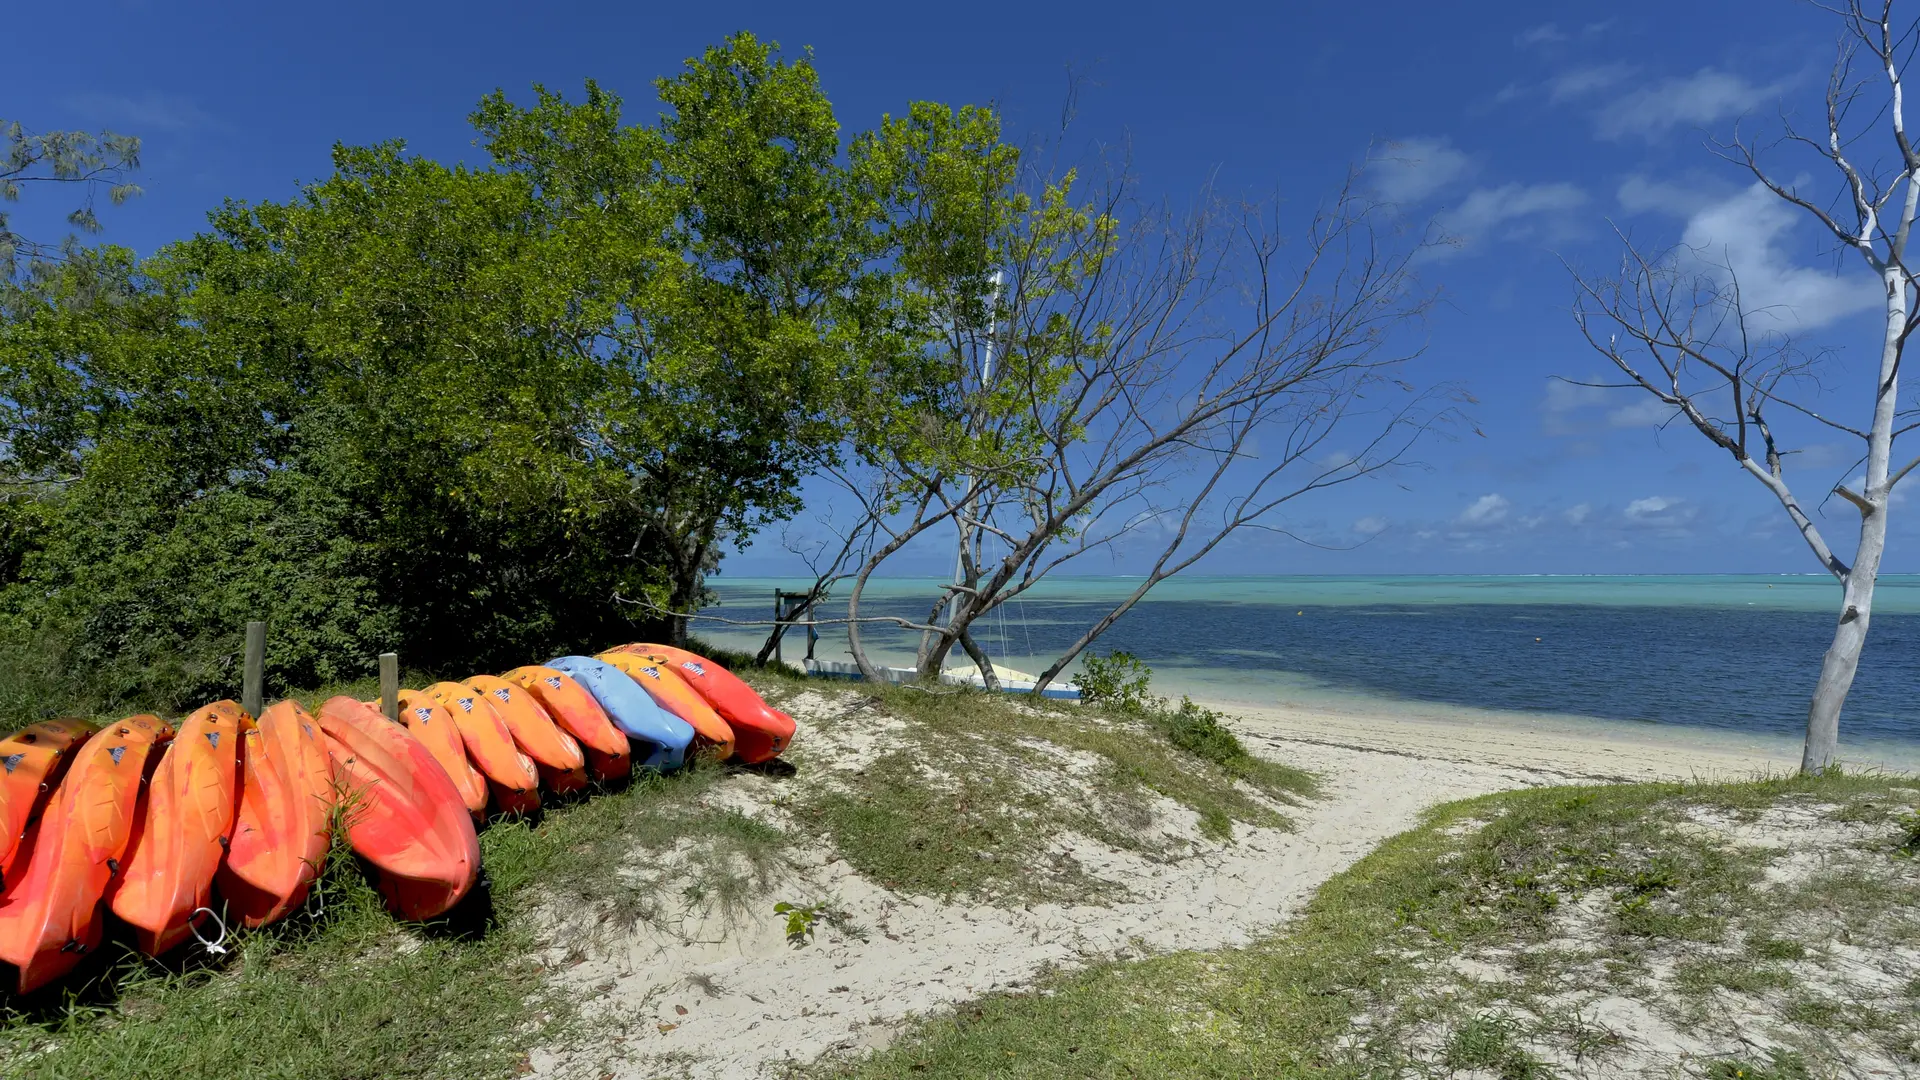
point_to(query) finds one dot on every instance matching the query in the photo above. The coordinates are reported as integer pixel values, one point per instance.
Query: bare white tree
(1677, 327)
(1214, 376)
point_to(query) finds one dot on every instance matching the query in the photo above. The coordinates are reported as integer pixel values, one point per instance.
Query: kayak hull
(53, 915)
(284, 818)
(561, 764)
(661, 739)
(32, 761)
(403, 815)
(182, 835)
(428, 721)
(512, 779)
(669, 691)
(574, 711)
(760, 732)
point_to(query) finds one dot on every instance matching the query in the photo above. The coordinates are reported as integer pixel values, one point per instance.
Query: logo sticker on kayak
(116, 753)
(12, 761)
(553, 681)
(423, 715)
(693, 667)
(651, 673)
(504, 694)
(465, 703)
(213, 739)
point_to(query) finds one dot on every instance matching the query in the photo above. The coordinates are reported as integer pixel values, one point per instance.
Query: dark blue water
(1747, 669)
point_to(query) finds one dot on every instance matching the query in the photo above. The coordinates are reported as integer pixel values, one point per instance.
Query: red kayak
(759, 732)
(52, 915)
(403, 814)
(187, 823)
(32, 761)
(284, 824)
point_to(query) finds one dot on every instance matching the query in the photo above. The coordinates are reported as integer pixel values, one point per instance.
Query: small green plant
(1118, 680)
(800, 921)
(1781, 1065)
(1197, 730)
(1489, 1041)
(1908, 839)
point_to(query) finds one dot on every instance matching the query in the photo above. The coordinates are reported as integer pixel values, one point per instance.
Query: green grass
(970, 801)
(1358, 985)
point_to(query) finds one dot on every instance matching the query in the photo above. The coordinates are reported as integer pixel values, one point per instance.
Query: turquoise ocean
(1732, 654)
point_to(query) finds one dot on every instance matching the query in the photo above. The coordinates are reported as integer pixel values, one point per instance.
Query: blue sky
(1523, 128)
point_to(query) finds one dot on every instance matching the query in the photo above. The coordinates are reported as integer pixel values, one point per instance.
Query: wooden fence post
(253, 668)
(390, 685)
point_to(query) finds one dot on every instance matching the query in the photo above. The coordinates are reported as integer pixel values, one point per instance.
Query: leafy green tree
(748, 297)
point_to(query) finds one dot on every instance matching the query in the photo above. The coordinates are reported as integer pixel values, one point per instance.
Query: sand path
(745, 1004)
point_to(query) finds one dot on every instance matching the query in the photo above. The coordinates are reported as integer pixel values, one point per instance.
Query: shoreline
(1580, 749)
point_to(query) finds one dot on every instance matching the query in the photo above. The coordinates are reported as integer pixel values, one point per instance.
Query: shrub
(1118, 680)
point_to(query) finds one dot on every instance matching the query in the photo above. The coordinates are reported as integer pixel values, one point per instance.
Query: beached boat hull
(283, 825)
(429, 721)
(183, 833)
(52, 916)
(512, 778)
(573, 709)
(669, 691)
(759, 732)
(403, 814)
(32, 761)
(662, 737)
(561, 763)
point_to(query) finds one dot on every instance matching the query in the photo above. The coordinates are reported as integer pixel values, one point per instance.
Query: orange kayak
(574, 711)
(429, 721)
(511, 775)
(52, 915)
(284, 823)
(178, 841)
(403, 814)
(669, 691)
(562, 766)
(32, 760)
(759, 732)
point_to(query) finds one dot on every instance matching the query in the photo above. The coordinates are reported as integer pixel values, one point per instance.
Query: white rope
(216, 947)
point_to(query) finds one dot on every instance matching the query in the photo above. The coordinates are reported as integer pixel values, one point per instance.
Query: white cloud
(1408, 170)
(1650, 507)
(1370, 526)
(1701, 98)
(1649, 411)
(1582, 81)
(1484, 511)
(1639, 194)
(1544, 34)
(1576, 515)
(1746, 234)
(1511, 211)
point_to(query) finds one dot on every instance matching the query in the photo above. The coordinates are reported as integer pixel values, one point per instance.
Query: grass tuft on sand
(1640, 928)
(978, 794)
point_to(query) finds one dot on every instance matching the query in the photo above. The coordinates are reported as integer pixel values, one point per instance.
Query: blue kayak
(632, 711)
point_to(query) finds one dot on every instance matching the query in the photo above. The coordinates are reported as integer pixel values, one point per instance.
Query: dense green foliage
(475, 415)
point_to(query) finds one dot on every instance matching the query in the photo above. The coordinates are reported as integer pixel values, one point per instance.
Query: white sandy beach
(737, 1001)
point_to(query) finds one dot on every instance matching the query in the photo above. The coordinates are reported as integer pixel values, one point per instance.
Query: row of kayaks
(227, 818)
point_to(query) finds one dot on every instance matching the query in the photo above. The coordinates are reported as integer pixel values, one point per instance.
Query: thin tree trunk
(987, 677)
(1842, 660)
(1837, 670)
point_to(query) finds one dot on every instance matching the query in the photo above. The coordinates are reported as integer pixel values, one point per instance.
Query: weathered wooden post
(253, 667)
(390, 685)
